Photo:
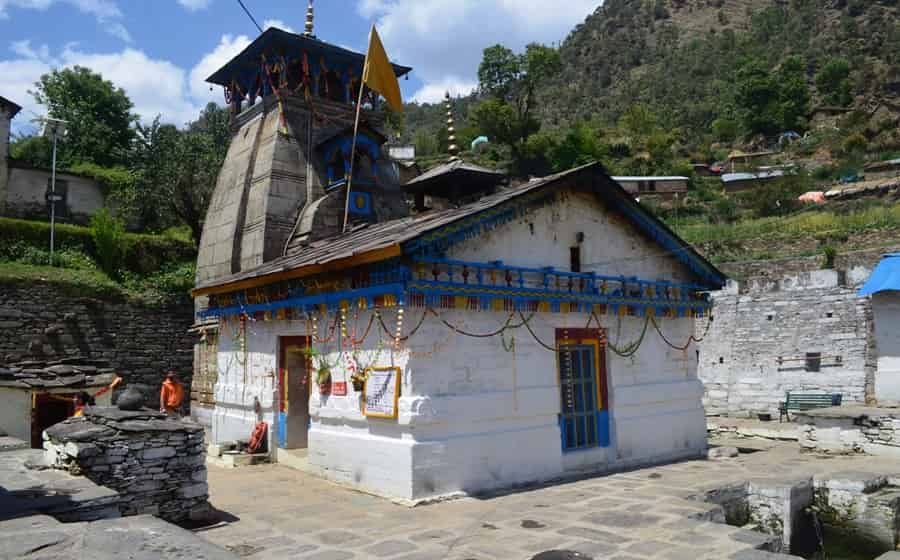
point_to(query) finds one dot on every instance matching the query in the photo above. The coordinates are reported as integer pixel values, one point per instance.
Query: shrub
(172, 284)
(830, 256)
(855, 144)
(144, 254)
(108, 234)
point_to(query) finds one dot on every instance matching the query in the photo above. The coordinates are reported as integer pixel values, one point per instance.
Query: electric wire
(253, 19)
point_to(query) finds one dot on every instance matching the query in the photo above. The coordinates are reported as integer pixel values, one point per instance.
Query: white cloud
(106, 12)
(195, 5)
(277, 23)
(156, 87)
(229, 46)
(434, 92)
(444, 39)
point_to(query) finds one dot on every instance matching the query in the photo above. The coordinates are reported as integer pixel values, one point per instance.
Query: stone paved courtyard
(283, 513)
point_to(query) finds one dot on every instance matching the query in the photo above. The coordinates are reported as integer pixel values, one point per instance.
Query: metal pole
(53, 201)
(362, 88)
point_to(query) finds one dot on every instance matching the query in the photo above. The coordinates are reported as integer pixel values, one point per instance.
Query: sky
(161, 51)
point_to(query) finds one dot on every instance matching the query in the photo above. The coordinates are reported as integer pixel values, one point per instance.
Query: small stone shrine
(157, 464)
(38, 394)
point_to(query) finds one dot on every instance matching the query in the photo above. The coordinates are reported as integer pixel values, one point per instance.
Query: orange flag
(379, 74)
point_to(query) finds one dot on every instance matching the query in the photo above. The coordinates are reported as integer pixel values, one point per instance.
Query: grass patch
(72, 282)
(815, 223)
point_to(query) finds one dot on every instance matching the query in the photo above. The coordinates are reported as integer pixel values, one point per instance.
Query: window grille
(581, 424)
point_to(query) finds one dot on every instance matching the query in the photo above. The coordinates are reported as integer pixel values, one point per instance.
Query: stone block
(194, 491)
(158, 453)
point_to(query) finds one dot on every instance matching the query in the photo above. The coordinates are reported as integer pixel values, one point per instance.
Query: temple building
(460, 333)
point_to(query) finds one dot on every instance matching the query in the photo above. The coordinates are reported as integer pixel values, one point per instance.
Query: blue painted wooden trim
(282, 430)
(590, 278)
(332, 300)
(603, 431)
(523, 296)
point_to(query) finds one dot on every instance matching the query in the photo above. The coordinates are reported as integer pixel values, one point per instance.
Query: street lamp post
(54, 129)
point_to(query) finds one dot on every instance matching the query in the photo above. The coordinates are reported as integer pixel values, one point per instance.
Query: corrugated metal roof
(451, 167)
(619, 179)
(731, 177)
(885, 277)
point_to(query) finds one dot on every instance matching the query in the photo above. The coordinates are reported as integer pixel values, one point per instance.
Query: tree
(36, 151)
(177, 170)
(794, 94)
(833, 81)
(757, 97)
(98, 113)
(498, 71)
(510, 82)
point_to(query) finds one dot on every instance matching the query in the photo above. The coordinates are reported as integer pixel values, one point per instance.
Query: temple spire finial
(309, 21)
(452, 148)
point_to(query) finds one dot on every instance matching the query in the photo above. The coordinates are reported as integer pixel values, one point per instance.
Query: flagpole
(362, 88)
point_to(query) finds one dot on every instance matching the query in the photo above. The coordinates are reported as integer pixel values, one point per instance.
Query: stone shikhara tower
(283, 184)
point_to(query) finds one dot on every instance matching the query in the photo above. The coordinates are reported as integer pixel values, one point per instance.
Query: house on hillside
(737, 182)
(654, 186)
(24, 189)
(506, 335)
(746, 158)
(883, 169)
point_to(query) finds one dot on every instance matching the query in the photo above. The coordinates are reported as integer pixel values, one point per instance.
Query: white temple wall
(611, 247)
(474, 416)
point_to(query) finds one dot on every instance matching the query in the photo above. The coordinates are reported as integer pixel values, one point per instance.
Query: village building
(24, 189)
(738, 182)
(883, 287)
(481, 337)
(654, 186)
(889, 169)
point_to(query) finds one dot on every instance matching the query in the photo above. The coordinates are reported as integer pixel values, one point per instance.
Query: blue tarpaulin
(886, 276)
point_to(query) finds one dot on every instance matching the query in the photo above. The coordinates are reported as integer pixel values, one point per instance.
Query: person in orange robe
(171, 395)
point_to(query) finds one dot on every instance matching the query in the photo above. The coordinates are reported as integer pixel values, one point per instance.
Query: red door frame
(284, 342)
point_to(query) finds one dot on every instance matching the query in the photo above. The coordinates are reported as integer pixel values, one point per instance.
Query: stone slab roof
(99, 422)
(70, 373)
(372, 238)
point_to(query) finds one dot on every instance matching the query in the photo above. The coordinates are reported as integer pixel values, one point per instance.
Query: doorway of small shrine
(48, 411)
(293, 392)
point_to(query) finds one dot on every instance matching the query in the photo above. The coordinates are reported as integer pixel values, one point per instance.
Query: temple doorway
(293, 393)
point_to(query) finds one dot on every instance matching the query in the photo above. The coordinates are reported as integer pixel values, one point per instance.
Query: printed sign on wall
(382, 392)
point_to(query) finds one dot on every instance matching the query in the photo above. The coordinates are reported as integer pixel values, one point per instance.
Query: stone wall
(756, 347)
(872, 431)
(45, 321)
(156, 464)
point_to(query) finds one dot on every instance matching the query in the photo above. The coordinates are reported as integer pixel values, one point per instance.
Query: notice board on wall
(381, 394)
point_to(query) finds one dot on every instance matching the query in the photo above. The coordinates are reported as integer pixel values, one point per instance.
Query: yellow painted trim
(310, 270)
(393, 416)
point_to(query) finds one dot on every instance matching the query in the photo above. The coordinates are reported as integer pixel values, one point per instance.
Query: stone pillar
(157, 464)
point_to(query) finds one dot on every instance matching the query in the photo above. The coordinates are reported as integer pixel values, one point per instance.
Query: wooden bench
(807, 401)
